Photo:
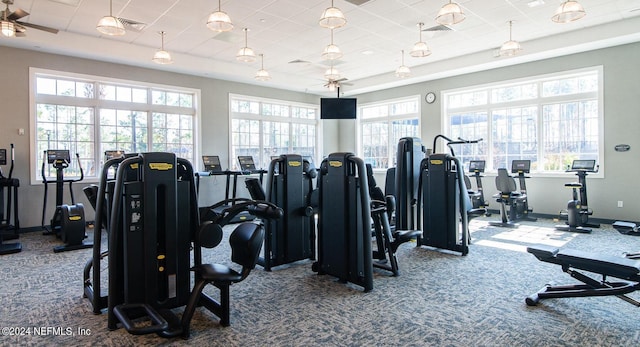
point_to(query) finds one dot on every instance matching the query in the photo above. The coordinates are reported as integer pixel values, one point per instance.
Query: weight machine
(344, 223)
(445, 203)
(289, 186)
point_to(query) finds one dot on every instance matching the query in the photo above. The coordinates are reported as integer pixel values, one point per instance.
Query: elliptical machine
(578, 211)
(8, 230)
(68, 220)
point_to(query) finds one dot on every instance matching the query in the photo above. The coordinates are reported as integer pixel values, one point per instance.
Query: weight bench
(627, 272)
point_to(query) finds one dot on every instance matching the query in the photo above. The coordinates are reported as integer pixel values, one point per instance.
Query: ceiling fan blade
(39, 27)
(17, 14)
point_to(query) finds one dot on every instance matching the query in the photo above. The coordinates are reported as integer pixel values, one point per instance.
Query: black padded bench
(571, 261)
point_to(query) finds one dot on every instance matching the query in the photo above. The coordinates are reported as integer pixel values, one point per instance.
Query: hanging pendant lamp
(110, 25)
(511, 47)
(162, 57)
(245, 53)
(332, 18)
(403, 71)
(219, 21)
(420, 49)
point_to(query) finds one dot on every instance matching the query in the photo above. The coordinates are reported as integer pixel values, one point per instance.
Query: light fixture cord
(420, 30)
(219, 6)
(110, 8)
(402, 57)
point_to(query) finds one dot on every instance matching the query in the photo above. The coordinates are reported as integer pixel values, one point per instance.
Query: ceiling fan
(333, 85)
(10, 22)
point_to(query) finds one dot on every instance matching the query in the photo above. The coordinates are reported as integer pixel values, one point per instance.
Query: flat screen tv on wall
(338, 108)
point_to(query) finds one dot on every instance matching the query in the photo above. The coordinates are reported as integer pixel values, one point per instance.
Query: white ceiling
(288, 30)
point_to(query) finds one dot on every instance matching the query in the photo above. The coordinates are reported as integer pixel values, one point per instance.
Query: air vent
(132, 24)
(299, 61)
(357, 2)
(438, 28)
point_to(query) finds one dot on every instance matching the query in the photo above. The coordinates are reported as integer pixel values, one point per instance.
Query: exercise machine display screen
(211, 163)
(246, 163)
(476, 166)
(54, 155)
(523, 166)
(113, 154)
(587, 165)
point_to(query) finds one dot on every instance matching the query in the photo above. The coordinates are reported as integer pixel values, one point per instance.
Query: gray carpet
(438, 300)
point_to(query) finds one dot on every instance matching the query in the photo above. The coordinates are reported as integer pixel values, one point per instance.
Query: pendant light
(332, 74)
(332, 18)
(568, 11)
(262, 74)
(245, 53)
(331, 51)
(162, 57)
(6, 27)
(219, 21)
(110, 25)
(511, 47)
(403, 71)
(420, 49)
(450, 14)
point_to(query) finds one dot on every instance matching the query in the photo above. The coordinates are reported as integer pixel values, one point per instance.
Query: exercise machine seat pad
(217, 272)
(597, 263)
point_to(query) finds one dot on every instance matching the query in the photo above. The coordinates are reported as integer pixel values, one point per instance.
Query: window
(550, 120)
(89, 115)
(264, 128)
(382, 125)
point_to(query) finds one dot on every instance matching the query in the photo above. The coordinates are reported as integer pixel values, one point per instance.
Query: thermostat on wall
(622, 148)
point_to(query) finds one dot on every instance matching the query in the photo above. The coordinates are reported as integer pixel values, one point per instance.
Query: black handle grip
(265, 210)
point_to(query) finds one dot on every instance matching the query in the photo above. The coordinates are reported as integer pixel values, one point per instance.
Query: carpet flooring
(439, 299)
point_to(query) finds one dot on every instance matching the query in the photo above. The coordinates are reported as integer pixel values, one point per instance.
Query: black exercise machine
(476, 167)
(446, 206)
(578, 211)
(289, 186)
(344, 227)
(573, 262)
(407, 174)
(9, 231)
(68, 220)
(212, 167)
(522, 209)
(387, 239)
(507, 195)
(153, 223)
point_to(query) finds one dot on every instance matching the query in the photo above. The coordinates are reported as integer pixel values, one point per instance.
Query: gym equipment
(387, 239)
(410, 154)
(68, 220)
(246, 241)
(213, 168)
(507, 196)
(344, 228)
(572, 261)
(446, 206)
(578, 211)
(289, 186)
(152, 221)
(7, 230)
(626, 228)
(522, 210)
(476, 167)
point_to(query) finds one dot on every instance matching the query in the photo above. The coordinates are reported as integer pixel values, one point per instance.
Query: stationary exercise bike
(578, 211)
(68, 220)
(8, 231)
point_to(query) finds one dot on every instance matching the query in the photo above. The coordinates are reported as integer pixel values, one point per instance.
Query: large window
(550, 120)
(265, 128)
(382, 125)
(89, 115)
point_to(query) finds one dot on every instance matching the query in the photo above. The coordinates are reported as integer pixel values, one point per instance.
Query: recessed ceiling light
(367, 52)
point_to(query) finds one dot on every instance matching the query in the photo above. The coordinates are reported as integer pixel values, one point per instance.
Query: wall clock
(430, 97)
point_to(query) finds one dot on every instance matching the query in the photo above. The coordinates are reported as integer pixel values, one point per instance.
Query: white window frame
(392, 145)
(539, 102)
(97, 104)
(233, 163)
